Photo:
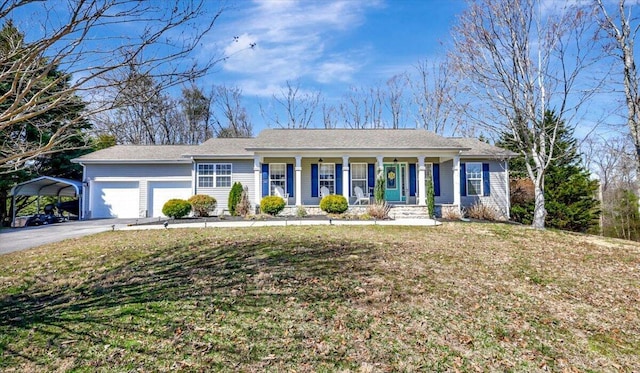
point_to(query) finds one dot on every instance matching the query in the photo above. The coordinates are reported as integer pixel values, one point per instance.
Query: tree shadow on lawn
(162, 289)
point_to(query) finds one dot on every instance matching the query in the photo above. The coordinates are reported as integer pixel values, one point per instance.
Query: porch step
(408, 212)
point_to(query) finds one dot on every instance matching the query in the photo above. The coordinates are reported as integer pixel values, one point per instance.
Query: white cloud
(292, 40)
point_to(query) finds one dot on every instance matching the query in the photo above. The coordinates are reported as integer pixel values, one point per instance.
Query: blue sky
(326, 46)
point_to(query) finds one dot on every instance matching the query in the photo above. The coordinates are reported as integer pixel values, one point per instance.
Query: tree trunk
(539, 211)
(3, 206)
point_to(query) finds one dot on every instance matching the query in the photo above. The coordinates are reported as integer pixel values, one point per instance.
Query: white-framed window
(474, 179)
(277, 177)
(214, 175)
(428, 172)
(359, 177)
(327, 177)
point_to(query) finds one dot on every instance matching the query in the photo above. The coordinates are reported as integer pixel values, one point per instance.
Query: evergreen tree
(38, 130)
(570, 194)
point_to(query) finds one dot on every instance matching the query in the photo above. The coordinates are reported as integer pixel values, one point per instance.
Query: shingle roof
(479, 148)
(223, 147)
(328, 139)
(300, 139)
(139, 153)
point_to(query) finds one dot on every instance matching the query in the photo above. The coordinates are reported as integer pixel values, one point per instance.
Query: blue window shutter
(486, 179)
(339, 179)
(412, 179)
(290, 187)
(371, 176)
(463, 179)
(265, 179)
(314, 180)
(436, 179)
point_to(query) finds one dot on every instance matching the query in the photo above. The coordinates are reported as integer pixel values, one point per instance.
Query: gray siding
(138, 170)
(446, 183)
(142, 173)
(241, 171)
(498, 198)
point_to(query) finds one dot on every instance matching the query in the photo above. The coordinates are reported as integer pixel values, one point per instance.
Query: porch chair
(280, 193)
(324, 191)
(360, 196)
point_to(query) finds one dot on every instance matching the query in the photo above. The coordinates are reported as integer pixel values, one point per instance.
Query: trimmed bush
(234, 198)
(202, 204)
(176, 208)
(272, 205)
(334, 204)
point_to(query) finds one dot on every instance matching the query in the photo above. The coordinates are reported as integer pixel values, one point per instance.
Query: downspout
(81, 200)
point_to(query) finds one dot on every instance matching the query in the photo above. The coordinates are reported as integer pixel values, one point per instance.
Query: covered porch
(301, 178)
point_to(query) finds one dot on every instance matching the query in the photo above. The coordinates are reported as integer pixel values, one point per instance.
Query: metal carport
(46, 186)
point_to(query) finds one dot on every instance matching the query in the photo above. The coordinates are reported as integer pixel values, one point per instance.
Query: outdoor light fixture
(395, 160)
(320, 160)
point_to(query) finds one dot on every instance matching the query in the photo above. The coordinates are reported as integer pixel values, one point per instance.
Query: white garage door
(162, 191)
(115, 200)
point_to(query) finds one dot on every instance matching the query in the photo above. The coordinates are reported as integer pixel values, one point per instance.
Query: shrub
(482, 212)
(379, 188)
(451, 213)
(272, 205)
(301, 212)
(379, 211)
(334, 204)
(176, 208)
(202, 204)
(234, 197)
(244, 206)
(431, 199)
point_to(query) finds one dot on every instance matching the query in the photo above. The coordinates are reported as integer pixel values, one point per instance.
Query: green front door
(393, 184)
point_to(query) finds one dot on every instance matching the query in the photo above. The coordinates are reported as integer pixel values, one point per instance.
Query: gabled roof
(480, 149)
(351, 139)
(274, 140)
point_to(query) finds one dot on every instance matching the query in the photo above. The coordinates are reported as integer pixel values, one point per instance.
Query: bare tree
(363, 108)
(394, 99)
(299, 108)
(622, 29)
(519, 64)
(70, 41)
(229, 116)
(329, 114)
(434, 91)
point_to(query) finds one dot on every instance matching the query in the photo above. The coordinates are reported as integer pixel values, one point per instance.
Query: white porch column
(380, 163)
(422, 192)
(456, 181)
(345, 177)
(256, 180)
(298, 180)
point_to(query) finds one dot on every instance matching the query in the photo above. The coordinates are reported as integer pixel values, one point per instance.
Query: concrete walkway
(16, 239)
(283, 223)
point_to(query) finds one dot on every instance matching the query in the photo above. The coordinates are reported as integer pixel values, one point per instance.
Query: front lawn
(466, 297)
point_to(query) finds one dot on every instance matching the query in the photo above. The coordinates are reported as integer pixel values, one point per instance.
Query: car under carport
(46, 186)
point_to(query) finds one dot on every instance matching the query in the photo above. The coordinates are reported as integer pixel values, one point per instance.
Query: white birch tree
(519, 61)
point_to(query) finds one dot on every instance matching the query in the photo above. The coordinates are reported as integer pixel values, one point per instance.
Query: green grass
(459, 297)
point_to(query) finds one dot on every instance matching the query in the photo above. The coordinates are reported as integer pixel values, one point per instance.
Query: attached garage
(162, 191)
(115, 199)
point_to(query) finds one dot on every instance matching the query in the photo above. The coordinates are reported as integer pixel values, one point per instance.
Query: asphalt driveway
(15, 239)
